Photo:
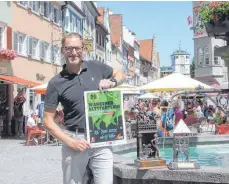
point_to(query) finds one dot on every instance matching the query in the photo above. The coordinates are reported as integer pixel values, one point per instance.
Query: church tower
(181, 62)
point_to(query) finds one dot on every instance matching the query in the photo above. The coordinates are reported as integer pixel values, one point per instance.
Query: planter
(3, 57)
(218, 28)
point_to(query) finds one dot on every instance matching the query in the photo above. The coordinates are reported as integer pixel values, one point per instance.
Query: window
(187, 57)
(97, 37)
(92, 25)
(79, 26)
(206, 55)
(200, 56)
(46, 9)
(23, 3)
(55, 54)
(85, 19)
(176, 57)
(1, 37)
(46, 51)
(89, 26)
(225, 77)
(103, 42)
(51, 12)
(35, 6)
(216, 60)
(100, 39)
(21, 43)
(73, 29)
(182, 59)
(35, 50)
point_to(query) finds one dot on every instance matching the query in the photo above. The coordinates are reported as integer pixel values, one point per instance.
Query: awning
(17, 80)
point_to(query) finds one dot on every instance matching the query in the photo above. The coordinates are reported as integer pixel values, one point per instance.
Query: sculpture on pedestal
(147, 142)
(181, 147)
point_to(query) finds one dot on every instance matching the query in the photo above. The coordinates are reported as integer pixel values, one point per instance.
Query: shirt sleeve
(51, 97)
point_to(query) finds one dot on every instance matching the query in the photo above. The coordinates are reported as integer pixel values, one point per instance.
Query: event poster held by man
(68, 88)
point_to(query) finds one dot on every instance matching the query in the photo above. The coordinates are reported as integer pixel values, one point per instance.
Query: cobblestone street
(21, 164)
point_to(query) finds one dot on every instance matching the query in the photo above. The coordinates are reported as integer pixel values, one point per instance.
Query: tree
(192, 68)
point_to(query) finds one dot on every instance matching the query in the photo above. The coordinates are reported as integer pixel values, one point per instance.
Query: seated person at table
(32, 122)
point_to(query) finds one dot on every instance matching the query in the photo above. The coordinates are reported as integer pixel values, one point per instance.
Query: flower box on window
(213, 16)
(7, 54)
(217, 28)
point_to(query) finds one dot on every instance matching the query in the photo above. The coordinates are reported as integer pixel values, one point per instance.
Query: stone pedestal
(183, 165)
(150, 164)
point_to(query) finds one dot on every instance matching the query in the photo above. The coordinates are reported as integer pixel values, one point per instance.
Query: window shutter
(42, 7)
(53, 54)
(9, 38)
(41, 50)
(25, 45)
(60, 18)
(58, 56)
(52, 12)
(15, 41)
(48, 56)
(30, 42)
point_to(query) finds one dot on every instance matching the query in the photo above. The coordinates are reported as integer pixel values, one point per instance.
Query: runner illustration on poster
(104, 117)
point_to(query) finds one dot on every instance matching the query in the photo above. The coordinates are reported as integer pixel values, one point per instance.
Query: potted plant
(214, 17)
(7, 54)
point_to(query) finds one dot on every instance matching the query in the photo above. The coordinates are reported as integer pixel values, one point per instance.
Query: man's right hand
(79, 145)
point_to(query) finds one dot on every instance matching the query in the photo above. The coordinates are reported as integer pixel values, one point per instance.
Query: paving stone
(20, 164)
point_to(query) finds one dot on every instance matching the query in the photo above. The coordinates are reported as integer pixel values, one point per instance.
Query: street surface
(20, 164)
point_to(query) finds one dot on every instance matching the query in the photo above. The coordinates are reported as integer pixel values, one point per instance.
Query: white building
(89, 33)
(137, 63)
(108, 43)
(210, 69)
(181, 62)
(129, 38)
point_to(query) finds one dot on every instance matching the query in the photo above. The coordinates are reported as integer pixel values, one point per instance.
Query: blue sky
(166, 20)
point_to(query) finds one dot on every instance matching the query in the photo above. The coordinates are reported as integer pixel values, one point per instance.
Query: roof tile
(116, 28)
(146, 48)
(100, 18)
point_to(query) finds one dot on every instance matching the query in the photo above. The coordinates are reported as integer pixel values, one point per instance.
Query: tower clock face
(182, 68)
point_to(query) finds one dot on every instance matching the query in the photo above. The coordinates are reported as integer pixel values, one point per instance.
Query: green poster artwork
(105, 116)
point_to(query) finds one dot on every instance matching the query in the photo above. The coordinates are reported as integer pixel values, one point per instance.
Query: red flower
(8, 54)
(196, 10)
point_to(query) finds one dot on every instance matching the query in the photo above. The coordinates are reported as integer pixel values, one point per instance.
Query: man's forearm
(55, 130)
(120, 77)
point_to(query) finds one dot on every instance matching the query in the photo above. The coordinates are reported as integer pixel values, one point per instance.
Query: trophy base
(183, 165)
(150, 164)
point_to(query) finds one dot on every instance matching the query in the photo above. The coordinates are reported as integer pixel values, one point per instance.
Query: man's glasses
(77, 49)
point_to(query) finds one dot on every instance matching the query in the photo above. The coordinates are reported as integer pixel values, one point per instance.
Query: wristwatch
(114, 80)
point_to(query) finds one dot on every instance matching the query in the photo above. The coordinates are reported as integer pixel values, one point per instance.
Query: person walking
(68, 88)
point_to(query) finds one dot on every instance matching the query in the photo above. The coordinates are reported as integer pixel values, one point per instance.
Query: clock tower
(181, 62)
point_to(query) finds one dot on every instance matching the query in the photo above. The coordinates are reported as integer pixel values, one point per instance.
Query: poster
(105, 118)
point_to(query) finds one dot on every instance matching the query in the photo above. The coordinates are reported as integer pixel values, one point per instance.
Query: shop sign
(88, 45)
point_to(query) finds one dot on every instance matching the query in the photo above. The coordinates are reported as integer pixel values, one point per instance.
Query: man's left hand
(106, 84)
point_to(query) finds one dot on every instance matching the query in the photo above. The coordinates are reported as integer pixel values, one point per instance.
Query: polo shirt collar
(65, 73)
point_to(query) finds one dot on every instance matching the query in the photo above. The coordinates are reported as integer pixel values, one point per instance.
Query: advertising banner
(105, 118)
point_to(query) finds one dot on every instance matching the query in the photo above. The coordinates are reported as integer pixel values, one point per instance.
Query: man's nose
(74, 51)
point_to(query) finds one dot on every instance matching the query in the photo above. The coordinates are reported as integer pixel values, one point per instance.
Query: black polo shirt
(69, 90)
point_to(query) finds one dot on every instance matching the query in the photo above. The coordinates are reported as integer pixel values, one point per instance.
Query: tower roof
(180, 52)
